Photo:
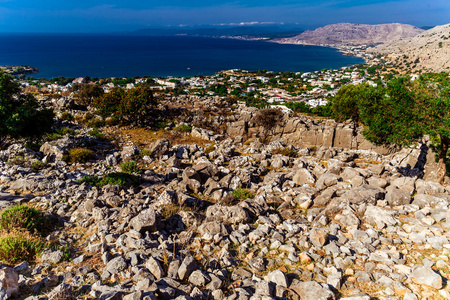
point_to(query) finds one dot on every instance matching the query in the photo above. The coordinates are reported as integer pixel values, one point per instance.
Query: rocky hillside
(216, 217)
(353, 34)
(428, 51)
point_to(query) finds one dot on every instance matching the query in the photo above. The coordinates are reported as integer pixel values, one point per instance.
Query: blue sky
(115, 16)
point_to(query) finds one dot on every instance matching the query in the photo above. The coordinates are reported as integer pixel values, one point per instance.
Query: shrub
(183, 128)
(21, 115)
(95, 122)
(145, 152)
(130, 167)
(286, 151)
(128, 107)
(117, 178)
(21, 216)
(209, 149)
(20, 246)
(97, 134)
(66, 116)
(65, 130)
(52, 136)
(79, 155)
(17, 160)
(268, 119)
(242, 194)
(37, 165)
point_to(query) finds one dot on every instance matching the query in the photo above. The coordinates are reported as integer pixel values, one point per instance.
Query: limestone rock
(62, 292)
(311, 290)
(278, 278)
(51, 256)
(144, 221)
(426, 276)
(187, 267)
(9, 280)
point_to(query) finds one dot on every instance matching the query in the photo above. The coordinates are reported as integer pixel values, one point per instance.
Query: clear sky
(126, 15)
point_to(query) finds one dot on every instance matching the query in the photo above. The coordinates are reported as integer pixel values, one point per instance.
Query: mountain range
(428, 51)
(353, 34)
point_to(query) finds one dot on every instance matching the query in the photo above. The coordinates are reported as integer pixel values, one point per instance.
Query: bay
(128, 56)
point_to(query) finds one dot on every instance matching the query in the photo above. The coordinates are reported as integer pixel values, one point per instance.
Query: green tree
(21, 116)
(345, 103)
(403, 111)
(109, 103)
(87, 92)
(136, 105)
(391, 114)
(434, 92)
(128, 107)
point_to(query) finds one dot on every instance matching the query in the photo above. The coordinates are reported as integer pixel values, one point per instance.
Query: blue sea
(128, 56)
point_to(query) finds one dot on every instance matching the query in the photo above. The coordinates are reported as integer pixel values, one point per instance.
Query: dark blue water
(128, 56)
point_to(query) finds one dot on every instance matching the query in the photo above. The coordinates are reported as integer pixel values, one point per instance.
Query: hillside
(429, 51)
(353, 34)
(200, 213)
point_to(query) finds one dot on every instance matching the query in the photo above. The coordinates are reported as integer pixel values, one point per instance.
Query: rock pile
(233, 221)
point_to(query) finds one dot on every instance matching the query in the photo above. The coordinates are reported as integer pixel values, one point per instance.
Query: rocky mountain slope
(353, 34)
(230, 218)
(428, 51)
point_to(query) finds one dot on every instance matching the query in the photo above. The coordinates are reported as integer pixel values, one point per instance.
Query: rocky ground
(302, 222)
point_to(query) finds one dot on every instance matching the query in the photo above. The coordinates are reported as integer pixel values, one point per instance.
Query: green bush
(20, 246)
(65, 130)
(79, 155)
(242, 194)
(145, 152)
(66, 116)
(97, 134)
(130, 167)
(21, 115)
(52, 136)
(21, 216)
(128, 107)
(95, 122)
(17, 160)
(117, 178)
(37, 165)
(183, 128)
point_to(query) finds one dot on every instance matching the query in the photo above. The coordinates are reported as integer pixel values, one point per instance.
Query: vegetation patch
(97, 134)
(286, 151)
(145, 152)
(66, 116)
(242, 194)
(130, 167)
(20, 246)
(210, 149)
(117, 178)
(79, 155)
(24, 217)
(183, 128)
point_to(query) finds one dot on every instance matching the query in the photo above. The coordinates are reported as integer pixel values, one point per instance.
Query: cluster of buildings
(314, 88)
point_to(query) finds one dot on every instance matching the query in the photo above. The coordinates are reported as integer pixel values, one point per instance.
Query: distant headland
(19, 70)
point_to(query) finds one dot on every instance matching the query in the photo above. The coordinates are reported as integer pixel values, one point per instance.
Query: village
(255, 88)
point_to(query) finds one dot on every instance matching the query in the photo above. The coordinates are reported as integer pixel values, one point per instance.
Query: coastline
(348, 50)
(17, 70)
(205, 56)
